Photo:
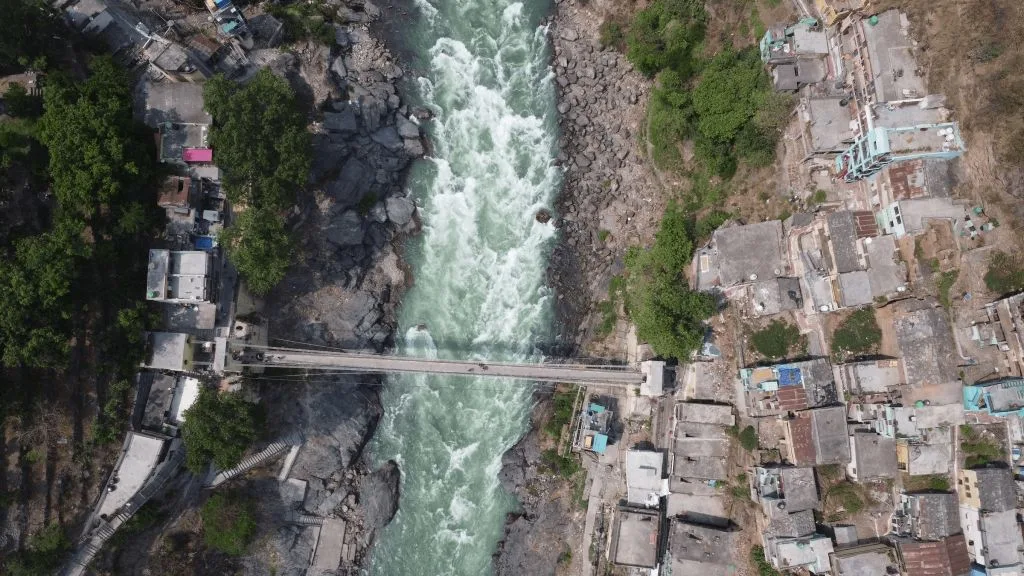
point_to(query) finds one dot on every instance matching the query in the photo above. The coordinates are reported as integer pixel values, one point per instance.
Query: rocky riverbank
(344, 290)
(610, 200)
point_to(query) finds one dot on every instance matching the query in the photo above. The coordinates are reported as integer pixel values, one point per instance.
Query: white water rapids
(479, 290)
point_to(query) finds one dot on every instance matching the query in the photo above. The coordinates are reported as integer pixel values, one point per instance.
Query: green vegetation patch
(844, 499)
(667, 314)
(305, 19)
(229, 523)
(979, 448)
(748, 439)
(858, 335)
(218, 428)
(934, 482)
(561, 412)
(1005, 273)
(777, 340)
(761, 564)
(945, 284)
(43, 555)
(564, 466)
(264, 150)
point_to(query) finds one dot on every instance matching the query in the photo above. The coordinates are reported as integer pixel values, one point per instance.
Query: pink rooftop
(197, 155)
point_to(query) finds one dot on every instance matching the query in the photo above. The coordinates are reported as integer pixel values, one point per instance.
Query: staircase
(272, 451)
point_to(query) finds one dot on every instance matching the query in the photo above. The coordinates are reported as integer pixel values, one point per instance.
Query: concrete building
(162, 400)
(871, 377)
(824, 125)
(739, 255)
(811, 553)
(795, 55)
(140, 456)
(866, 560)
(169, 351)
(929, 353)
(700, 549)
(990, 489)
(784, 388)
(945, 557)
(775, 296)
(988, 515)
(927, 516)
(790, 489)
(932, 455)
(635, 538)
(818, 437)
(913, 216)
(595, 424)
(645, 484)
(873, 457)
(182, 277)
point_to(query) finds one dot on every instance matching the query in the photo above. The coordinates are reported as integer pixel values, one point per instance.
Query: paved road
(576, 374)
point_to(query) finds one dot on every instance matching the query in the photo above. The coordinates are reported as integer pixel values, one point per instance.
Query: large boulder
(400, 210)
(406, 128)
(346, 230)
(352, 183)
(413, 147)
(388, 137)
(379, 495)
(343, 122)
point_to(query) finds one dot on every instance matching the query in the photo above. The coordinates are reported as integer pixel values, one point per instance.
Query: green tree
(664, 35)
(259, 246)
(99, 161)
(35, 288)
(45, 551)
(21, 104)
(667, 314)
(27, 32)
(260, 139)
(218, 428)
(228, 523)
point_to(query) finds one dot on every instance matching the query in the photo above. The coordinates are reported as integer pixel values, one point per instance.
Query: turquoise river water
(479, 269)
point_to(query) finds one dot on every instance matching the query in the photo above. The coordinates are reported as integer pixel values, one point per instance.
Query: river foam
(479, 293)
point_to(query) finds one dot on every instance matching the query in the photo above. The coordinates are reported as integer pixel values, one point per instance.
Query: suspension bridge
(249, 355)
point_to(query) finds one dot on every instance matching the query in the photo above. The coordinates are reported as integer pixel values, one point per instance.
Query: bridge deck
(574, 374)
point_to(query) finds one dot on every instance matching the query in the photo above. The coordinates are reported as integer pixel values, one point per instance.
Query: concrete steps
(248, 463)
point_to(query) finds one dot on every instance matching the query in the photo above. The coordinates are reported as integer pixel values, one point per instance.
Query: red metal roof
(947, 557)
(802, 439)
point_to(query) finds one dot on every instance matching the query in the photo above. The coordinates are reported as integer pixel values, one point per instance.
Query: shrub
(945, 284)
(748, 439)
(764, 568)
(1005, 273)
(664, 34)
(228, 524)
(776, 340)
(859, 334)
(611, 34)
(564, 466)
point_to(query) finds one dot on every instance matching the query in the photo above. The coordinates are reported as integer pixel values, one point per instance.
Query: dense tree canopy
(98, 158)
(667, 314)
(260, 139)
(262, 146)
(27, 30)
(663, 35)
(218, 428)
(260, 248)
(35, 288)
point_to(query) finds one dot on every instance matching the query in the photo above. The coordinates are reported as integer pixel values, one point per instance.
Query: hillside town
(897, 457)
(854, 407)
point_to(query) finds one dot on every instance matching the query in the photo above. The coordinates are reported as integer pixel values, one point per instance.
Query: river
(479, 269)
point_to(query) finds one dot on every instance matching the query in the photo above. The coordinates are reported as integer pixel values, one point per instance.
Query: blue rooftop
(600, 443)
